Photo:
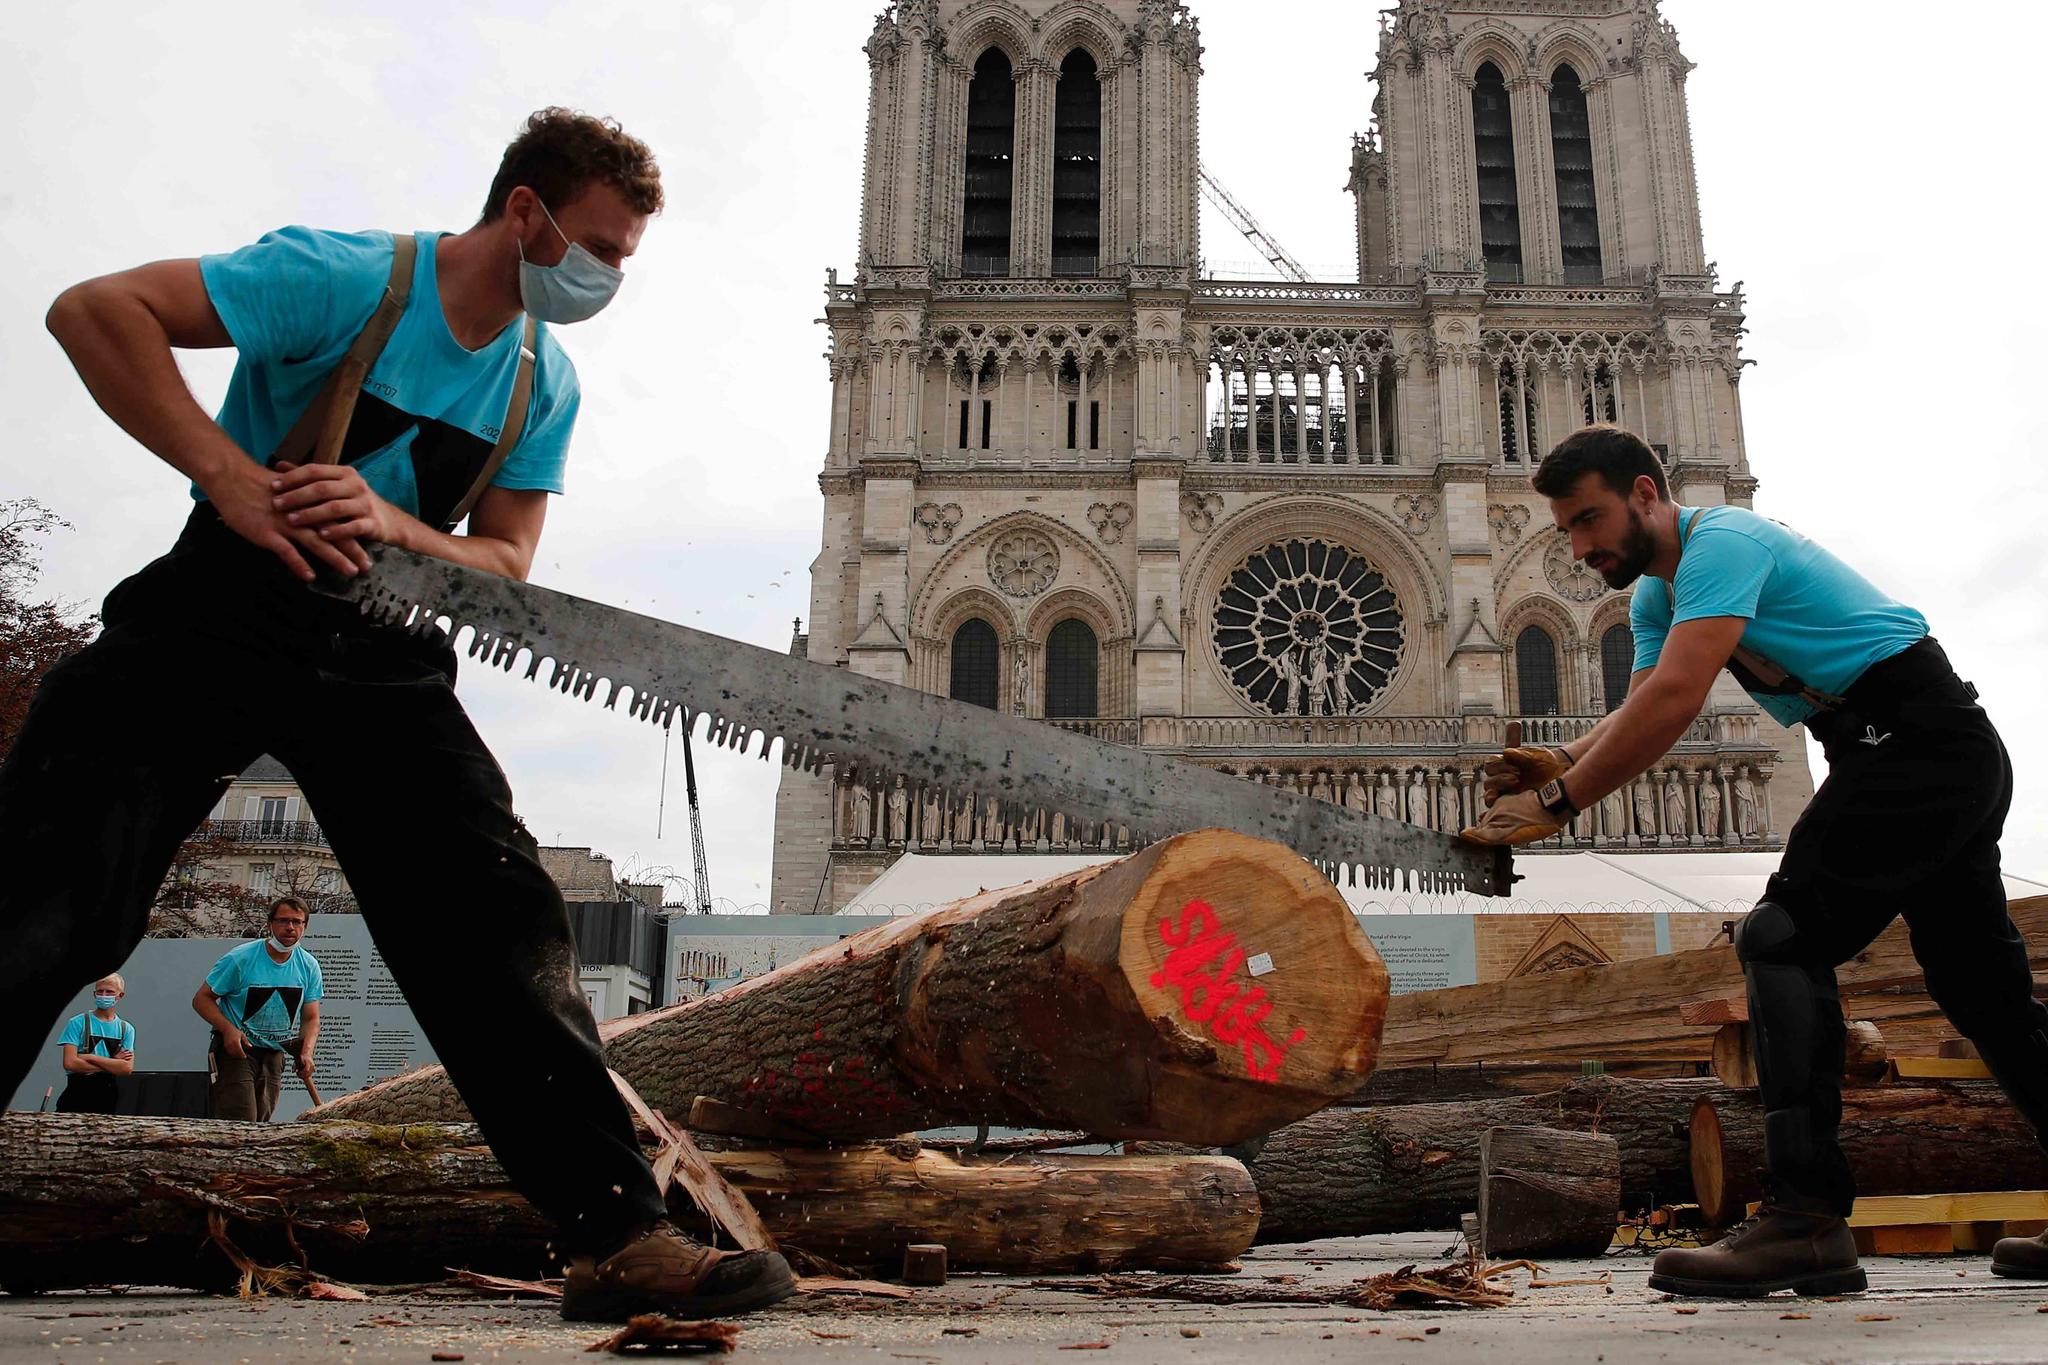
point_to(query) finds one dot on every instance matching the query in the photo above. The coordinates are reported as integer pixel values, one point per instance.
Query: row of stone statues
(1672, 806)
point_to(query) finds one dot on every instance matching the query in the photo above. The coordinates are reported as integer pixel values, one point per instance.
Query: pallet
(1944, 1224)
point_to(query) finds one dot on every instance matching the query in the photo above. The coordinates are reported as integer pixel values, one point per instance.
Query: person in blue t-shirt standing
(98, 1045)
(263, 1001)
(1907, 823)
(397, 388)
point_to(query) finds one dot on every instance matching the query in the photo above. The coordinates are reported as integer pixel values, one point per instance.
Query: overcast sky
(1868, 198)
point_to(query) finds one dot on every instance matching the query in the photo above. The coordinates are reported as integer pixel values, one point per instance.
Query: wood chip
(445, 1355)
(498, 1284)
(874, 1289)
(341, 1293)
(1191, 1331)
(1086, 1346)
(653, 1334)
(1687, 1312)
(1794, 1317)
(1873, 1317)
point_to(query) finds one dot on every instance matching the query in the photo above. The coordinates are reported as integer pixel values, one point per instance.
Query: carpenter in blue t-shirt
(262, 996)
(430, 410)
(1808, 612)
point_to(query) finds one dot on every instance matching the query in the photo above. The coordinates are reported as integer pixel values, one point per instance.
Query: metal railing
(267, 832)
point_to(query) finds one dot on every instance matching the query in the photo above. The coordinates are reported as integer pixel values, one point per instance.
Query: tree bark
(1900, 1139)
(1406, 1168)
(87, 1199)
(1630, 1011)
(1204, 989)
(1547, 1192)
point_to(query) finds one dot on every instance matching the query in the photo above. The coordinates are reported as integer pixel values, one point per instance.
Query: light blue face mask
(104, 1002)
(575, 288)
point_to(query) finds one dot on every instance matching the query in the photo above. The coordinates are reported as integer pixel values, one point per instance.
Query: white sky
(1869, 199)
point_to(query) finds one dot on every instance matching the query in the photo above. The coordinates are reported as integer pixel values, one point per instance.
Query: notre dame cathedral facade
(1279, 528)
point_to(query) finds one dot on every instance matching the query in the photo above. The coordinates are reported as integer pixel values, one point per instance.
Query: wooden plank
(1727, 1009)
(1623, 1011)
(1909, 1239)
(1734, 1060)
(1888, 1210)
(1956, 1047)
(1940, 1069)
(1546, 1192)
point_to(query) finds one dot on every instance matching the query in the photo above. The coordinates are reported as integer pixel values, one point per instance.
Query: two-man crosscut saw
(881, 732)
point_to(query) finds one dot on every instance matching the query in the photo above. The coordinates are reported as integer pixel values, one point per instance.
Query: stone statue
(1059, 829)
(899, 813)
(1745, 804)
(1020, 674)
(992, 823)
(1318, 681)
(963, 820)
(1710, 807)
(863, 812)
(1387, 798)
(1614, 815)
(1418, 800)
(1355, 794)
(1646, 808)
(1677, 823)
(1447, 805)
(933, 817)
(1290, 680)
(1320, 788)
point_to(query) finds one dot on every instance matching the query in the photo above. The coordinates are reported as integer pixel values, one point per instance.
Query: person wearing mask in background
(263, 1000)
(98, 1046)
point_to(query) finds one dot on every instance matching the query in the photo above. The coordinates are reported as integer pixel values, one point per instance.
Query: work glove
(1521, 818)
(1522, 769)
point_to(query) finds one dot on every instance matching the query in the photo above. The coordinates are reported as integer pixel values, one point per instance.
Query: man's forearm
(208, 1008)
(501, 557)
(123, 356)
(1629, 740)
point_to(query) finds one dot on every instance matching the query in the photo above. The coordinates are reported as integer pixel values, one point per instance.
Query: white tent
(1551, 883)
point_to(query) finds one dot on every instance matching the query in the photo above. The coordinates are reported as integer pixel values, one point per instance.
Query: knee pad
(1766, 934)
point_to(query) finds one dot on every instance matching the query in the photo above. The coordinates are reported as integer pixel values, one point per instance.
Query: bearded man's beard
(1634, 556)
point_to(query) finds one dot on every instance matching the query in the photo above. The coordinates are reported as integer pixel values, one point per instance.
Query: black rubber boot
(1796, 1244)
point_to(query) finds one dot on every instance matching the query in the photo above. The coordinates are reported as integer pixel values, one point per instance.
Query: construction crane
(1241, 219)
(702, 888)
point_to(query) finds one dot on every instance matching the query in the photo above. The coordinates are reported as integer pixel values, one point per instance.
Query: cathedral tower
(1279, 528)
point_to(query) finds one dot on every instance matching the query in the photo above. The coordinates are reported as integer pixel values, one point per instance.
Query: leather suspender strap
(1761, 673)
(508, 432)
(323, 426)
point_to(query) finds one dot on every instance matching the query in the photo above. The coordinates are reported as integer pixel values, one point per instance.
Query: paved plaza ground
(1919, 1309)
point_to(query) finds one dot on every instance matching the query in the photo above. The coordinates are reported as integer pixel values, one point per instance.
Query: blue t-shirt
(94, 1036)
(261, 996)
(429, 412)
(1807, 611)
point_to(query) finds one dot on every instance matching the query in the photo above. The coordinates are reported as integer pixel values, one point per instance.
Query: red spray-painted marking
(1202, 965)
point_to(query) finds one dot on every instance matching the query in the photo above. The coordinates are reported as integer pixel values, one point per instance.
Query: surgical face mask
(278, 945)
(104, 1002)
(575, 288)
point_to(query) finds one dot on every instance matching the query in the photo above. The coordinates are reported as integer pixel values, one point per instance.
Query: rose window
(1023, 563)
(1307, 627)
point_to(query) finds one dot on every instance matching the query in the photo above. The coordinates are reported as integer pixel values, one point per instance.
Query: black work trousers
(214, 655)
(1907, 823)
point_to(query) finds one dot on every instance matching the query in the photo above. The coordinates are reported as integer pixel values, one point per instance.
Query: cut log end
(1709, 1183)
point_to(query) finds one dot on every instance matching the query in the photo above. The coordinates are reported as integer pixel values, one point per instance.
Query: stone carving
(1745, 805)
(863, 812)
(1418, 800)
(932, 817)
(1020, 683)
(1416, 511)
(1109, 520)
(963, 820)
(939, 520)
(1386, 798)
(1447, 806)
(1023, 563)
(1614, 815)
(1356, 797)
(1646, 808)
(899, 813)
(1307, 627)
(1200, 509)
(1677, 821)
(1710, 807)
(1571, 578)
(1508, 520)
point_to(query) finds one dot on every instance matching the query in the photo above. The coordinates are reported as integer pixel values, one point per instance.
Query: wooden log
(1624, 1011)
(1406, 1168)
(1900, 1139)
(1865, 1058)
(1547, 1192)
(91, 1199)
(1205, 989)
(1734, 1061)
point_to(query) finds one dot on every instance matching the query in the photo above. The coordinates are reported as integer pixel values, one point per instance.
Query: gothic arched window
(1493, 147)
(1070, 663)
(1517, 439)
(1077, 167)
(1535, 672)
(991, 137)
(1617, 663)
(1597, 402)
(1571, 150)
(974, 663)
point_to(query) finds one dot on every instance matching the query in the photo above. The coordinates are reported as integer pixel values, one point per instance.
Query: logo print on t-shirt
(286, 996)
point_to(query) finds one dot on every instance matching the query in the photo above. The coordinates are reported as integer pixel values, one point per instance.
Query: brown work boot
(2021, 1258)
(1791, 1244)
(663, 1270)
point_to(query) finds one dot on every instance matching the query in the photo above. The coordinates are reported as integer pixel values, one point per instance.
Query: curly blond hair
(561, 152)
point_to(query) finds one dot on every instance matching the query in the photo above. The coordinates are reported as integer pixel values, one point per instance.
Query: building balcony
(1391, 735)
(296, 833)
